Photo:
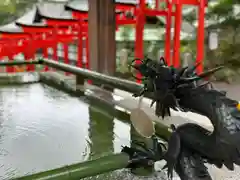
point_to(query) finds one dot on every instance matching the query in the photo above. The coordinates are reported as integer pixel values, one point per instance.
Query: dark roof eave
(39, 16)
(67, 7)
(33, 25)
(127, 3)
(12, 32)
(82, 11)
(58, 19)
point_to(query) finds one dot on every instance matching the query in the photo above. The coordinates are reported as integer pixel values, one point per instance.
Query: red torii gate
(81, 14)
(168, 13)
(12, 43)
(42, 36)
(140, 12)
(122, 8)
(79, 25)
(67, 30)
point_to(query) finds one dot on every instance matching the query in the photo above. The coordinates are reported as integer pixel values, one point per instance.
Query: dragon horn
(136, 66)
(210, 72)
(191, 70)
(163, 60)
(202, 75)
(181, 72)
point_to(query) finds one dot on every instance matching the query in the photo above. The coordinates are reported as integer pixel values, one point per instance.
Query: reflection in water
(42, 128)
(100, 133)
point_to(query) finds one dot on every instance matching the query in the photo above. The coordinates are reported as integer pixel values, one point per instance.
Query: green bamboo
(101, 133)
(15, 63)
(82, 170)
(101, 78)
(162, 130)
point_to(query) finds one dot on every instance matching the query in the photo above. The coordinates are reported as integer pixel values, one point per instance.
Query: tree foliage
(10, 10)
(226, 21)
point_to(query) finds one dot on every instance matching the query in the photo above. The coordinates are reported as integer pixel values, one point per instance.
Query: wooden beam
(102, 26)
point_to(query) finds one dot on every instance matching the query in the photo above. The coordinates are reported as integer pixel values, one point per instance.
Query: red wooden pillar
(80, 46)
(1, 50)
(11, 49)
(44, 47)
(45, 52)
(167, 50)
(157, 4)
(10, 69)
(200, 35)
(139, 46)
(30, 54)
(177, 34)
(55, 51)
(55, 44)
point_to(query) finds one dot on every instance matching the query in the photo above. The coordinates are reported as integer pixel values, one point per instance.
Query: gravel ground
(224, 174)
(233, 90)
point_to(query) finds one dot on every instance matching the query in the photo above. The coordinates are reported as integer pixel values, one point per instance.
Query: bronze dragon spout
(190, 143)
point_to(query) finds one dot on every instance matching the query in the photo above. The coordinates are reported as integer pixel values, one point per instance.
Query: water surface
(42, 128)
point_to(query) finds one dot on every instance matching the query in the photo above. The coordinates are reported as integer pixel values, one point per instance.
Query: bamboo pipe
(83, 169)
(109, 80)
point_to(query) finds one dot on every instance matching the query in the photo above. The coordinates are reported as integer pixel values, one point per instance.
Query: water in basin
(42, 128)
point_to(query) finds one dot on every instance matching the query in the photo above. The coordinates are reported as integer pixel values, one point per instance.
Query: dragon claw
(152, 103)
(169, 168)
(172, 154)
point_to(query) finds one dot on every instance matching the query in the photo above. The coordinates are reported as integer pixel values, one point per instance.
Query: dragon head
(166, 81)
(147, 67)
